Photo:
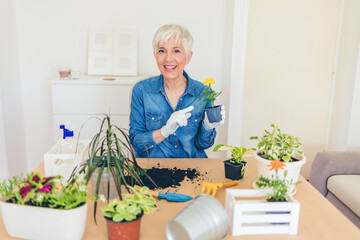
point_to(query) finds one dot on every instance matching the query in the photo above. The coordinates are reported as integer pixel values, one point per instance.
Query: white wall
(290, 58)
(347, 61)
(353, 141)
(12, 144)
(54, 33)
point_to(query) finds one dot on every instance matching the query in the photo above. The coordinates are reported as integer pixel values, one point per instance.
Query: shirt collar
(190, 88)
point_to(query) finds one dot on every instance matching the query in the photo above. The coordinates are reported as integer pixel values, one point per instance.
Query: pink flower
(47, 179)
(35, 178)
(46, 188)
(25, 190)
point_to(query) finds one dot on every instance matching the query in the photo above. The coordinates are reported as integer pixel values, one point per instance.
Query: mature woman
(167, 119)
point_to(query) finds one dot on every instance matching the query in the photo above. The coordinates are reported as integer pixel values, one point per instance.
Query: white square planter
(29, 222)
(56, 163)
(250, 216)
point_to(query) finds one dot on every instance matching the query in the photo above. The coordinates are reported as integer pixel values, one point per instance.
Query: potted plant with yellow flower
(214, 112)
(234, 167)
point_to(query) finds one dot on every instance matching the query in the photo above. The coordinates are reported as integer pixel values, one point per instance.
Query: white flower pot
(29, 222)
(293, 169)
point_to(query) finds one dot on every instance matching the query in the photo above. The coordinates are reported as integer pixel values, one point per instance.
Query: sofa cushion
(347, 189)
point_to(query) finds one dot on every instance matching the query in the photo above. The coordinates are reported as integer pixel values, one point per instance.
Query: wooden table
(319, 219)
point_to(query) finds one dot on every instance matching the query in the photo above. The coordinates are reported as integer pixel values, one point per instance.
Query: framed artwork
(112, 51)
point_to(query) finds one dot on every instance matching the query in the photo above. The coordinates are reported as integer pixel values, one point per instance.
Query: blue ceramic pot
(213, 113)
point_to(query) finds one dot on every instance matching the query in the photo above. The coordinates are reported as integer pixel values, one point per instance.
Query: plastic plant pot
(214, 114)
(234, 171)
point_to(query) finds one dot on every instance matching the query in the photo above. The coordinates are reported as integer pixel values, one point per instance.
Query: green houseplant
(111, 163)
(123, 217)
(234, 167)
(278, 186)
(276, 145)
(209, 95)
(32, 207)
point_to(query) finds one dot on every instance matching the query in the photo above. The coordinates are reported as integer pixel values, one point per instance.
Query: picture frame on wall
(112, 51)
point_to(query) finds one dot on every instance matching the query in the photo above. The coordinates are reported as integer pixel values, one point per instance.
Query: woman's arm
(139, 135)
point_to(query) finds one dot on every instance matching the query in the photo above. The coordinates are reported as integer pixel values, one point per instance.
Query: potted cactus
(123, 217)
(234, 167)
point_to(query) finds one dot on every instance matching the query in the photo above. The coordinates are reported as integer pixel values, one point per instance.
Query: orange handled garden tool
(212, 187)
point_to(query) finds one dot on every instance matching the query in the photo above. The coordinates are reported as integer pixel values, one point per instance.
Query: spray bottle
(68, 145)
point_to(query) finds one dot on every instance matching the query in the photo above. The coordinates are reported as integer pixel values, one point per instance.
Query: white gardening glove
(209, 126)
(177, 119)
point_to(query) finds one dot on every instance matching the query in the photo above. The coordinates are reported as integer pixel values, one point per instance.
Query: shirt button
(152, 146)
(152, 118)
(175, 146)
(175, 134)
(195, 120)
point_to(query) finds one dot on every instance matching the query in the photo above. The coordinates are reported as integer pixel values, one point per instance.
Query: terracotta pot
(234, 171)
(213, 113)
(124, 230)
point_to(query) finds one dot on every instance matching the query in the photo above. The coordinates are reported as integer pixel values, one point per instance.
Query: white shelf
(85, 79)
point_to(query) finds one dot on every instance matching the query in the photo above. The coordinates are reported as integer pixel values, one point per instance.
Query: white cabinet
(87, 99)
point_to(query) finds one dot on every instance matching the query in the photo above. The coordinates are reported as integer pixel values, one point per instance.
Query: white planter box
(249, 216)
(56, 163)
(30, 222)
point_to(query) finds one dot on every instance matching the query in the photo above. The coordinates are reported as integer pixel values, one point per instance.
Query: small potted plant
(112, 163)
(276, 145)
(278, 186)
(123, 217)
(234, 167)
(213, 112)
(32, 207)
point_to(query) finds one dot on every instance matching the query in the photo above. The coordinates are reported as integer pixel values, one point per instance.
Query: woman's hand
(209, 126)
(177, 119)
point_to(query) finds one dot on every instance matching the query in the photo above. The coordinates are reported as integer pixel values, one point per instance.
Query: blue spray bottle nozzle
(66, 132)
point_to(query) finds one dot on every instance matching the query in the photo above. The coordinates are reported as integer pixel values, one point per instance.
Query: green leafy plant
(111, 151)
(237, 153)
(279, 186)
(35, 190)
(275, 145)
(132, 205)
(209, 94)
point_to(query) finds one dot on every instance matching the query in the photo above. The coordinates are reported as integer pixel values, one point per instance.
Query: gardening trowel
(174, 197)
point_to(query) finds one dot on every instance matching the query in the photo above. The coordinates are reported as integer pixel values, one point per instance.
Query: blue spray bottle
(68, 145)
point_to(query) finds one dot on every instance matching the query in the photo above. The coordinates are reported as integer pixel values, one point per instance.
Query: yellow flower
(209, 82)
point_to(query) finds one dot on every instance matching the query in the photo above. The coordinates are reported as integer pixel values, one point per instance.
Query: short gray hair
(180, 33)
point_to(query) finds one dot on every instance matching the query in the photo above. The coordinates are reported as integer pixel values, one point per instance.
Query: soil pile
(166, 177)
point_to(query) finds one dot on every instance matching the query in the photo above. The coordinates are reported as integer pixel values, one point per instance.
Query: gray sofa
(336, 175)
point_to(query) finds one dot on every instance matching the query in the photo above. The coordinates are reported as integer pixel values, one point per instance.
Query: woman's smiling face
(171, 59)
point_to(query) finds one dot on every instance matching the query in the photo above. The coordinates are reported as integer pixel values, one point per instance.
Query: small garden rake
(210, 188)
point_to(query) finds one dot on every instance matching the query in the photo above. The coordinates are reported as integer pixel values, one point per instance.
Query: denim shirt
(150, 110)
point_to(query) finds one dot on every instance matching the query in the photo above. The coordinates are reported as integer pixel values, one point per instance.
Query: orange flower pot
(124, 230)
